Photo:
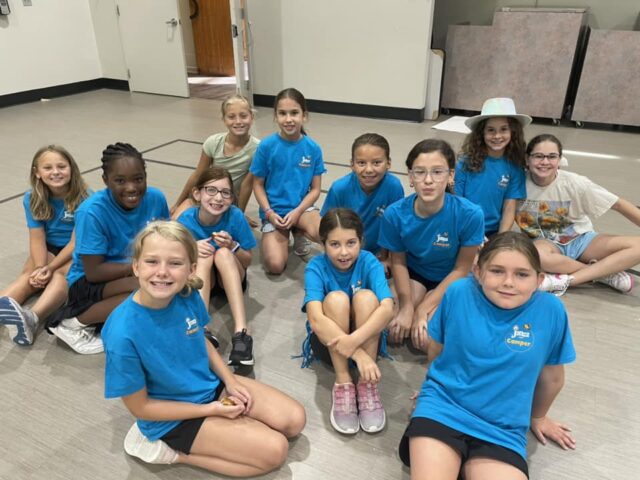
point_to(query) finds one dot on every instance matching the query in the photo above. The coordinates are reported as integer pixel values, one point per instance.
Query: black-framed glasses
(538, 157)
(437, 174)
(213, 191)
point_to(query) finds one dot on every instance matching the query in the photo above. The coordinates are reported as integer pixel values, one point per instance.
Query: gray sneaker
(301, 245)
(344, 414)
(137, 445)
(621, 281)
(82, 340)
(22, 320)
(370, 410)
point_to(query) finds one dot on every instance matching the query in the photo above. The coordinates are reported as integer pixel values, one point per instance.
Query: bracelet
(267, 211)
(236, 248)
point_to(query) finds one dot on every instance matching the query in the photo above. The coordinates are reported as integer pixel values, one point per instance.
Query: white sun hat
(498, 107)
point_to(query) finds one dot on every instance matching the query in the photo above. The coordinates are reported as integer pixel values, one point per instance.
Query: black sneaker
(212, 338)
(241, 349)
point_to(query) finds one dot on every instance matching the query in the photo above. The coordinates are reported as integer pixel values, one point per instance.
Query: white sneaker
(301, 245)
(22, 320)
(82, 340)
(556, 283)
(621, 281)
(137, 445)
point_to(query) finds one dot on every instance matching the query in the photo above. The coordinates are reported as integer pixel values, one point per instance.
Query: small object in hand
(227, 401)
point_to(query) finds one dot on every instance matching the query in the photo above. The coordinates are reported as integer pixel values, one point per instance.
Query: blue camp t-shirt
(58, 229)
(499, 180)
(163, 350)
(104, 228)
(346, 192)
(482, 383)
(432, 244)
(321, 278)
(288, 169)
(232, 221)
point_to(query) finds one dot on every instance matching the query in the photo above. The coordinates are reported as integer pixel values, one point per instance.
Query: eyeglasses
(538, 157)
(437, 174)
(213, 191)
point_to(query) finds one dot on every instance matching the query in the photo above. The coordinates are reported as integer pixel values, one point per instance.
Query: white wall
(107, 35)
(371, 52)
(49, 43)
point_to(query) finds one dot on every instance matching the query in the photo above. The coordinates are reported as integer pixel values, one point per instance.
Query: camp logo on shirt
(504, 181)
(380, 210)
(67, 217)
(442, 240)
(305, 162)
(355, 288)
(520, 339)
(192, 325)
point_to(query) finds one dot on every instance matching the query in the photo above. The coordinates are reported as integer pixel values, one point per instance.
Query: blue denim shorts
(575, 248)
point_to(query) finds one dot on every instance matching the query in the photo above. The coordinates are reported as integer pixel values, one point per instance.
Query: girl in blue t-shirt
(57, 189)
(287, 171)
(100, 277)
(433, 237)
(348, 304)
(497, 347)
(490, 171)
(369, 189)
(224, 241)
(190, 408)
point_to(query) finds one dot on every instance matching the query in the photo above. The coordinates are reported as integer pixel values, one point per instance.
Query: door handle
(173, 22)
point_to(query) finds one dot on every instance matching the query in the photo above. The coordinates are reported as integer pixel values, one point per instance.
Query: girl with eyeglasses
(432, 236)
(557, 215)
(490, 171)
(225, 241)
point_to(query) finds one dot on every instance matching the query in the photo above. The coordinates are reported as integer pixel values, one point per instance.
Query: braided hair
(117, 151)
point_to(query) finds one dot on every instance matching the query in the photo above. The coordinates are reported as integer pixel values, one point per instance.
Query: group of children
(117, 277)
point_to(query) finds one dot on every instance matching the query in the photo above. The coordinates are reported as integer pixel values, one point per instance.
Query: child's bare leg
(274, 248)
(479, 468)
(614, 254)
(309, 224)
(433, 459)
(231, 273)
(114, 293)
(553, 261)
(337, 307)
(20, 289)
(54, 295)
(203, 271)
(254, 444)
(186, 204)
(365, 303)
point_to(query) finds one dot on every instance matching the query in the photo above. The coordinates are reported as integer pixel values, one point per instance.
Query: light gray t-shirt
(238, 164)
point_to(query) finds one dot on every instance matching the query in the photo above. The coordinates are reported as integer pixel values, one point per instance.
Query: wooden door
(212, 38)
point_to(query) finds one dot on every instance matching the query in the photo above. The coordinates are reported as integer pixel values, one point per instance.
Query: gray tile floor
(55, 423)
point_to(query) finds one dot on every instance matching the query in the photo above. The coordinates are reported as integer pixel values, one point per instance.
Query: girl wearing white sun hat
(490, 170)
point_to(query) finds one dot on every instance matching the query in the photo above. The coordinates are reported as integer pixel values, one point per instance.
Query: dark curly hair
(474, 149)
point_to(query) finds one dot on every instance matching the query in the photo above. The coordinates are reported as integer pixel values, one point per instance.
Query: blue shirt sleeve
(563, 351)
(245, 235)
(90, 237)
(31, 222)
(517, 188)
(472, 232)
(259, 165)
(435, 327)
(313, 283)
(460, 179)
(379, 284)
(319, 161)
(124, 373)
(330, 201)
(390, 229)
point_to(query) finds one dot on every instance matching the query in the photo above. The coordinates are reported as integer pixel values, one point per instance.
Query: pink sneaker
(370, 411)
(344, 415)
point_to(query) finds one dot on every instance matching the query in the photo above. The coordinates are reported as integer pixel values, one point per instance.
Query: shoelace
(345, 399)
(368, 397)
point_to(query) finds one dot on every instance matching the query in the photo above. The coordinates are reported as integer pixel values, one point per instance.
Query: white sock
(72, 323)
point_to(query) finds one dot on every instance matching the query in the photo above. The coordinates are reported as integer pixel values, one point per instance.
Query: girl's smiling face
(238, 118)
(162, 269)
(215, 197)
(507, 279)
(497, 135)
(290, 117)
(54, 171)
(342, 247)
(370, 163)
(127, 181)
(543, 163)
